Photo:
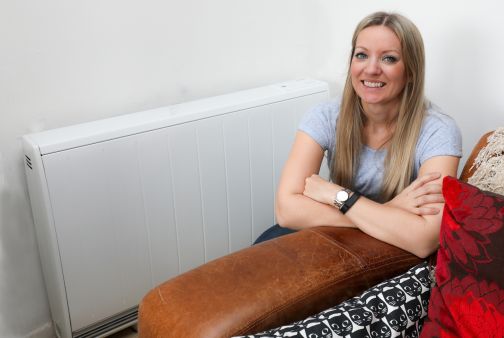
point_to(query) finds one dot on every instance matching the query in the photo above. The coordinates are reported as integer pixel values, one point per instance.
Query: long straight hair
(399, 162)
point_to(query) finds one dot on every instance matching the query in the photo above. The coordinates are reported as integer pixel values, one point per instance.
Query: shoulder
(329, 109)
(319, 122)
(436, 119)
(439, 135)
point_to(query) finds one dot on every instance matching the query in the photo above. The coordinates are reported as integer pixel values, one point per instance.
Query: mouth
(373, 84)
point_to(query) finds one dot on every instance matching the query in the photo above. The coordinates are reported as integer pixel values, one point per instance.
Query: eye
(360, 56)
(389, 59)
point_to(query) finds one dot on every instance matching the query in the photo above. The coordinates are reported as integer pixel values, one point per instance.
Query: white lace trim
(489, 163)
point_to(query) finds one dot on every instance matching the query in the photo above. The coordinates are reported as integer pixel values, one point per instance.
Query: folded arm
(418, 234)
(411, 221)
(293, 209)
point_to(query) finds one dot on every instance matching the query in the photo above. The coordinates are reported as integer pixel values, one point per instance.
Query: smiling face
(377, 69)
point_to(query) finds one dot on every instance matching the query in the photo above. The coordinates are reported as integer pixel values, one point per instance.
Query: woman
(379, 138)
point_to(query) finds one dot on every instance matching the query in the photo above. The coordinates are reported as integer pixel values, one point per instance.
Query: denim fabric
(273, 232)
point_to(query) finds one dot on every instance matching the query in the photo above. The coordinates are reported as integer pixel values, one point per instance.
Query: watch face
(342, 196)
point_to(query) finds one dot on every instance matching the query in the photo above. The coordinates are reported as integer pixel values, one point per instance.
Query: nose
(373, 66)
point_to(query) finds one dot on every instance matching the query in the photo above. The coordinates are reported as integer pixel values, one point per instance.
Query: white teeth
(373, 84)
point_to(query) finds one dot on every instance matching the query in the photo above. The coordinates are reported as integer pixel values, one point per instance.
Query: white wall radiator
(123, 204)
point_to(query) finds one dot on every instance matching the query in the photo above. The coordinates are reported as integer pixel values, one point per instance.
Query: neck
(378, 135)
(381, 114)
(379, 124)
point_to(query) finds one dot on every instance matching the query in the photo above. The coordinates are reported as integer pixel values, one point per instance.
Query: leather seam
(340, 245)
(353, 253)
(300, 298)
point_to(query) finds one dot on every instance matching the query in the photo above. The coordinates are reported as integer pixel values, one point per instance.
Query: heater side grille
(109, 325)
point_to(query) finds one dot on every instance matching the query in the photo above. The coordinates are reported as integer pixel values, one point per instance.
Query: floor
(126, 333)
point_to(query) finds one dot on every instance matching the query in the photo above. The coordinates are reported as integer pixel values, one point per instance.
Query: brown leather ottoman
(270, 284)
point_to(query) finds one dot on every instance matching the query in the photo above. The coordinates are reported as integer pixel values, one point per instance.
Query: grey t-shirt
(439, 136)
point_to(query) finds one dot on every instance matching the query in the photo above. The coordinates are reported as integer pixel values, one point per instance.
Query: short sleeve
(439, 136)
(320, 123)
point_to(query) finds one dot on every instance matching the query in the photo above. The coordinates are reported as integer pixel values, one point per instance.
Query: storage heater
(123, 204)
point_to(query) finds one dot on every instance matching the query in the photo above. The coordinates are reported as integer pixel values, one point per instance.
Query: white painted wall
(66, 62)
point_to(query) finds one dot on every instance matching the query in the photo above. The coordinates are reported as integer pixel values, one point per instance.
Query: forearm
(391, 224)
(297, 212)
(416, 234)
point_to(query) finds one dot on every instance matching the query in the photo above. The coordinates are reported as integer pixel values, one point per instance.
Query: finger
(427, 190)
(434, 188)
(306, 193)
(416, 211)
(428, 199)
(419, 181)
(413, 185)
(427, 211)
(419, 192)
(429, 177)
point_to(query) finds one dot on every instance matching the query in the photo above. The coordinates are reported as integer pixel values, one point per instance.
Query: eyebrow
(385, 51)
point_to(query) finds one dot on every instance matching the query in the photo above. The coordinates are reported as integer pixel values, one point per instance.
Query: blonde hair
(399, 163)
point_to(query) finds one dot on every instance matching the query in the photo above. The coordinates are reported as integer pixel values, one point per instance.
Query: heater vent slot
(28, 162)
(109, 325)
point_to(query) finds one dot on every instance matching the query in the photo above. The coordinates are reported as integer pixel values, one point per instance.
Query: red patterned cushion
(468, 300)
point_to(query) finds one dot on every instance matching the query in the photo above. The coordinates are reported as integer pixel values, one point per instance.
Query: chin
(372, 100)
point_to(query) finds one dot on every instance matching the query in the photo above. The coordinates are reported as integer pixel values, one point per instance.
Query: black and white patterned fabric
(394, 308)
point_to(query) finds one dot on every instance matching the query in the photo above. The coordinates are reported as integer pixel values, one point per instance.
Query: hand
(320, 190)
(415, 197)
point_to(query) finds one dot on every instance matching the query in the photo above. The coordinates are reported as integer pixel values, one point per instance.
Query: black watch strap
(349, 202)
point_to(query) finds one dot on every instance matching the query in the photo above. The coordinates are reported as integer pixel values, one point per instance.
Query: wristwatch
(341, 197)
(344, 199)
(349, 202)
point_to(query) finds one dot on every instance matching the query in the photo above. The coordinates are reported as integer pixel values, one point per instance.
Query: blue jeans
(273, 232)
